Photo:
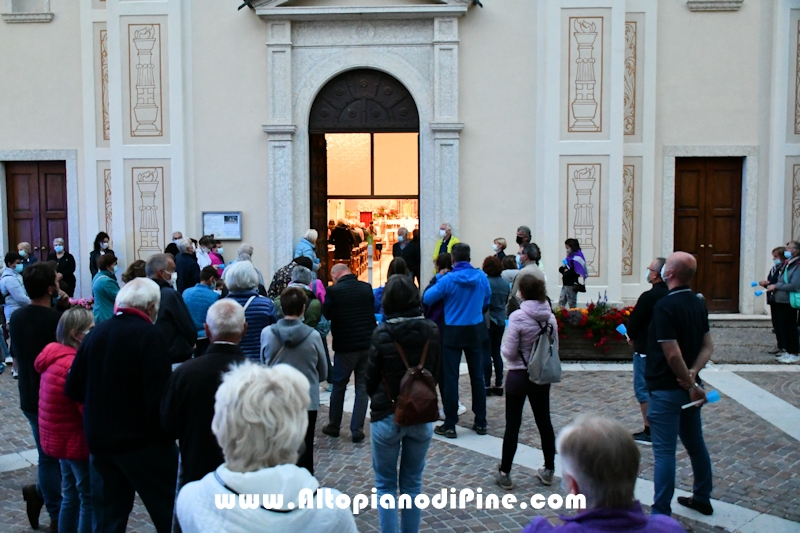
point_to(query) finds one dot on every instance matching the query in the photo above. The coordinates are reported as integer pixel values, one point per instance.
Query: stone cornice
(362, 12)
(27, 17)
(714, 5)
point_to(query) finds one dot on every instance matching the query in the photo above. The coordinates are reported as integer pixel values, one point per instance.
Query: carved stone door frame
(304, 54)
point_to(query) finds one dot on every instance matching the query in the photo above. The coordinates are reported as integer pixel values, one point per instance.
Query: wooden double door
(37, 205)
(708, 206)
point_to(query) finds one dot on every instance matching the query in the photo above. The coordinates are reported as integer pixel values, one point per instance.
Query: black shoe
(643, 438)
(497, 391)
(358, 436)
(480, 430)
(34, 504)
(444, 431)
(330, 431)
(702, 508)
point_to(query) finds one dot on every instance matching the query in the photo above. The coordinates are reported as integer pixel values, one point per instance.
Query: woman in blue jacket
(105, 288)
(307, 247)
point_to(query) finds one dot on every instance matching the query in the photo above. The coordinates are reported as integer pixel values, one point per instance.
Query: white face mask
(442, 233)
(174, 278)
(663, 268)
(218, 291)
(495, 247)
(220, 250)
(104, 246)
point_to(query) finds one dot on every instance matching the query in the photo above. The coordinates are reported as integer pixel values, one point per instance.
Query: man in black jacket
(186, 266)
(349, 307)
(638, 324)
(188, 405)
(174, 319)
(119, 374)
(343, 240)
(409, 250)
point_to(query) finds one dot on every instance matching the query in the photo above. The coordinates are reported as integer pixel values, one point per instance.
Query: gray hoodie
(14, 292)
(782, 289)
(302, 349)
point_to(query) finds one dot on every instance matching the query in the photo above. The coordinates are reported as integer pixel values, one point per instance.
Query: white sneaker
(780, 354)
(461, 408)
(9, 360)
(788, 358)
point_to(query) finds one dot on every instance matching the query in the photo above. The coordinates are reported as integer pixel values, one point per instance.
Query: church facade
(636, 126)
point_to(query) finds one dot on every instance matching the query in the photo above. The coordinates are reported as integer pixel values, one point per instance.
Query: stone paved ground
(755, 465)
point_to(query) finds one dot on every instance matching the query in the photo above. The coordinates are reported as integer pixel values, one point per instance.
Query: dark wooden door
(318, 153)
(37, 204)
(708, 202)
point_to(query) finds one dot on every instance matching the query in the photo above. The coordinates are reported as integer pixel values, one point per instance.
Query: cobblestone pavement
(756, 466)
(743, 345)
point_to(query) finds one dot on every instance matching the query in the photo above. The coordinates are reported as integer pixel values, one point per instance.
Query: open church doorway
(364, 170)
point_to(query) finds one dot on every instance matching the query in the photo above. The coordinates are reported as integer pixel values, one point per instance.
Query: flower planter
(575, 347)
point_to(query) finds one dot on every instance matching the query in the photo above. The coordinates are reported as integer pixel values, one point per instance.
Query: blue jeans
(639, 385)
(410, 443)
(345, 364)
(668, 422)
(76, 507)
(49, 473)
(451, 359)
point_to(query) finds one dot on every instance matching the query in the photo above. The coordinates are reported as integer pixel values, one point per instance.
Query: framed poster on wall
(223, 225)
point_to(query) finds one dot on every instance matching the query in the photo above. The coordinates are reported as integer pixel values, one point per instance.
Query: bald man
(349, 307)
(679, 346)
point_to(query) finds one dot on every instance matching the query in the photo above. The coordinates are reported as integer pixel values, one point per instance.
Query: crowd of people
(194, 378)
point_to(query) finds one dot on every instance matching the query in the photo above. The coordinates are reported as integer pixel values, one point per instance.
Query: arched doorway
(364, 127)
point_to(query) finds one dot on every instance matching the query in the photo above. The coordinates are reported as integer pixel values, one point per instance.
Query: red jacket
(60, 419)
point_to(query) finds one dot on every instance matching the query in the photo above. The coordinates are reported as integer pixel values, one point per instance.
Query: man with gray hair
(119, 374)
(409, 250)
(188, 405)
(524, 237)
(174, 319)
(245, 253)
(172, 247)
(445, 243)
(186, 266)
(600, 462)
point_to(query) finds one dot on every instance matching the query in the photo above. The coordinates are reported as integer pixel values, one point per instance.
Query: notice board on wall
(223, 225)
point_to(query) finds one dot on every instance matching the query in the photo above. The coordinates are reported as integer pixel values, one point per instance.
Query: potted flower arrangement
(86, 303)
(590, 332)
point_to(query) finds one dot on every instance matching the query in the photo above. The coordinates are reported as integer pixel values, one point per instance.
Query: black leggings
(518, 388)
(306, 459)
(786, 327)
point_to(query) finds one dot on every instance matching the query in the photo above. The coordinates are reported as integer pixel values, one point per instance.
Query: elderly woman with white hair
(259, 311)
(600, 460)
(307, 247)
(65, 265)
(260, 420)
(245, 253)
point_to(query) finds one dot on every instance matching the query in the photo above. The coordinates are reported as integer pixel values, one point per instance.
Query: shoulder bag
(794, 297)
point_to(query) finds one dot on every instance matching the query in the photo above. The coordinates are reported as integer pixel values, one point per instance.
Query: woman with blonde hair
(61, 420)
(260, 421)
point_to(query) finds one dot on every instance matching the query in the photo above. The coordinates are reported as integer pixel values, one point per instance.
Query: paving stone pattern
(784, 385)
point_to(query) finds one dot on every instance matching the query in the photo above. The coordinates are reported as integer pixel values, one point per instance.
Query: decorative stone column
(146, 110)
(584, 107)
(147, 183)
(584, 180)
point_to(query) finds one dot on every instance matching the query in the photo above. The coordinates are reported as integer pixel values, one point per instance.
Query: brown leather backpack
(417, 402)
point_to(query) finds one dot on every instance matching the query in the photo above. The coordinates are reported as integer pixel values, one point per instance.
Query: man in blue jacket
(466, 294)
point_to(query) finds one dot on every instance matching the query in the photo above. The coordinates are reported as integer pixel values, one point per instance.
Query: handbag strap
(543, 328)
(275, 358)
(250, 301)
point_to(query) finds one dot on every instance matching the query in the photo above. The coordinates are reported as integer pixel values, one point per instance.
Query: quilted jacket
(60, 419)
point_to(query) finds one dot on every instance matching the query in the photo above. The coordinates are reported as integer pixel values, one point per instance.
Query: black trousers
(151, 471)
(785, 320)
(306, 459)
(518, 389)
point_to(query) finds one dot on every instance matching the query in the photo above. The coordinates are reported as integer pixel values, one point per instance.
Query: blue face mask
(22, 253)
(400, 238)
(787, 254)
(220, 250)
(777, 262)
(519, 262)
(18, 268)
(115, 269)
(662, 273)
(58, 248)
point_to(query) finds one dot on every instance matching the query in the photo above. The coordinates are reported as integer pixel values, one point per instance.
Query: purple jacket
(522, 331)
(609, 520)
(578, 263)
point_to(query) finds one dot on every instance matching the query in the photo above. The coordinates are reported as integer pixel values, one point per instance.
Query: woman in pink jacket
(61, 420)
(524, 326)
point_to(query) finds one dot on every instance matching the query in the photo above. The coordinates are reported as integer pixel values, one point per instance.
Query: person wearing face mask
(203, 252)
(32, 328)
(409, 250)
(638, 324)
(217, 261)
(573, 270)
(172, 248)
(174, 319)
(105, 288)
(499, 247)
(24, 251)
(11, 286)
(600, 461)
(524, 237)
(61, 420)
(186, 266)
(528, 263)
(777, 263)
(445, 243)
(119, 375)
(100, 247)
(198, 300)
(786, 316)
(66, 265)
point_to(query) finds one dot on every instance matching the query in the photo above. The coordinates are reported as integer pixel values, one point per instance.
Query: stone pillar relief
(796, 202)
(586, 71)
(148, 210)
(583, 211)
(629, 88)
(104, 84)
(107, 204)
(146, 107)
(628, 172)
